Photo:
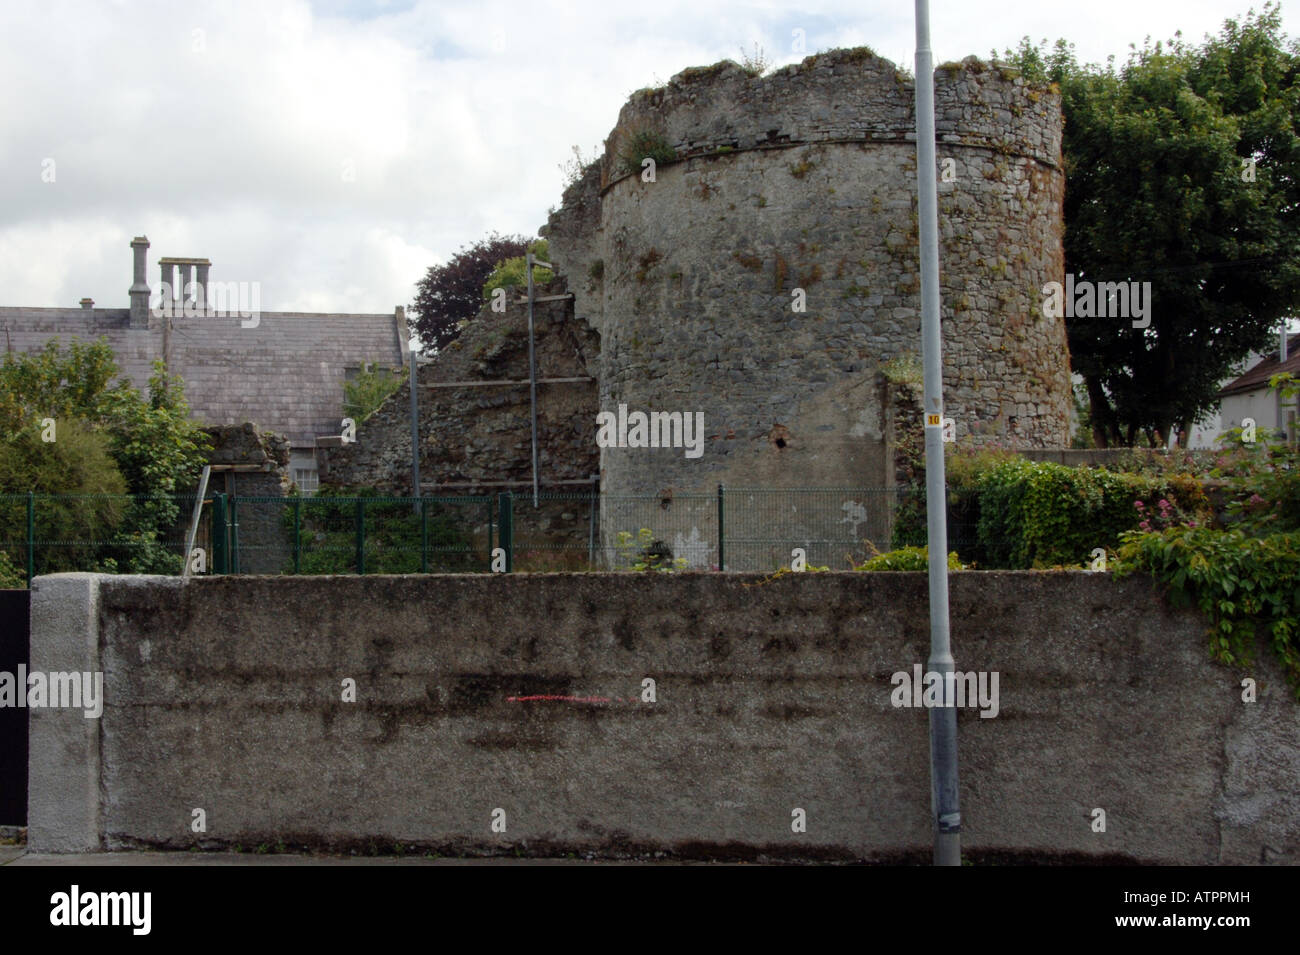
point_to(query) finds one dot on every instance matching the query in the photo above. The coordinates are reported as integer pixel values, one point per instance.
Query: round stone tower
(762, 268)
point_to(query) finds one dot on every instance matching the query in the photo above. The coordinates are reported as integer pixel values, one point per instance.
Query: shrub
(640, 144)
(572, 169)
(513, 272)
(1243, 584)
(74, 527)
(908, 558)
(370, 389)
(160, 452)
(755, 63)
(646, 553)
(1008, 512)
(12, 577)
(156, 451)
(1263, 477)
(328, 533)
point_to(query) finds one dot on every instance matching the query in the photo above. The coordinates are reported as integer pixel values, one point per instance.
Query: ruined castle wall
(474, 436)
(806, 180)
(472, 439)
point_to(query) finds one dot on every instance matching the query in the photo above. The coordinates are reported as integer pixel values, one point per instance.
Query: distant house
(284, 371)
(1249, 395)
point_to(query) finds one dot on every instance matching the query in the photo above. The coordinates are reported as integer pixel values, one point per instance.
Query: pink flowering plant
(1161, 515)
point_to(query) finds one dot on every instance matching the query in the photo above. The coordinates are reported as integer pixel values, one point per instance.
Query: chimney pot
(87, 303)
(139, 290)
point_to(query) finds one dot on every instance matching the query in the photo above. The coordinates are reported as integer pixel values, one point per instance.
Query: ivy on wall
(1244, 584)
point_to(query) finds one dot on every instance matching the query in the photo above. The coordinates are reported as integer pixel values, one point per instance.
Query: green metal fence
(747, 529)
(49, 533)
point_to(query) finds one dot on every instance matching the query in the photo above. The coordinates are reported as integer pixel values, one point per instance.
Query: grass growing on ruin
(640, 144)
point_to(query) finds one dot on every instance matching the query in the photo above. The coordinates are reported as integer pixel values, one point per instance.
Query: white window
(307, 479)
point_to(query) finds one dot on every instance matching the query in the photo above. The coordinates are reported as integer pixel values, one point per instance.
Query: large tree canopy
(452, 293)
(1182, 170)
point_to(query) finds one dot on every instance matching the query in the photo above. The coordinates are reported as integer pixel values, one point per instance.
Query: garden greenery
(392, 535)
(1007, 512)
(1243, 584)
(907, 558)
(105, 438)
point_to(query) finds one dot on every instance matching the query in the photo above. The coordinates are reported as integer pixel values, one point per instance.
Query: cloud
(334, 150)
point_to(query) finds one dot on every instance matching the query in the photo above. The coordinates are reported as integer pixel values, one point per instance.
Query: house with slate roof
(283, 371)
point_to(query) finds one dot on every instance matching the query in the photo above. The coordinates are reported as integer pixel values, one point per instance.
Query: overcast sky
(333, 150)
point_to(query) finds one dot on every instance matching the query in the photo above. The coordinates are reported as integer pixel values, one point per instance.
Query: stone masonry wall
(806, 180)
(474, 438)
(265, 546)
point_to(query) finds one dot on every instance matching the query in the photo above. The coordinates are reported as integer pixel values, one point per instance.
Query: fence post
(591, 521)
(297, 535)
(218, 533)
(31, 538)
(361, 535)
(233, 555)
(424, 539)
(722, 535)
(505, 520)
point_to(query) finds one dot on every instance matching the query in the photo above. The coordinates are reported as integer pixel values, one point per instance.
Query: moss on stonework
(694, 74)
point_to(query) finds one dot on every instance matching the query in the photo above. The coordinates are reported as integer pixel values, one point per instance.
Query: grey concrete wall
(63, 796)
(772, 695)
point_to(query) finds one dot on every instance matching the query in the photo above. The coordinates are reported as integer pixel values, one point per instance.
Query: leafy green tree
(160, 451)
(452, 293)
(73, 527)
(513, 272)
(109, 439)
(11, 576)
(1182, 170)
(54, 384)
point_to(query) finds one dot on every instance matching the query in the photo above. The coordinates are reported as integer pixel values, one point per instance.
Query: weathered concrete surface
(224, 694)
(21, 859)
(63, 797)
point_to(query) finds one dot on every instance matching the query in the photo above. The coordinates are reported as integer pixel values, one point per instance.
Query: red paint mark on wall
(556, 698)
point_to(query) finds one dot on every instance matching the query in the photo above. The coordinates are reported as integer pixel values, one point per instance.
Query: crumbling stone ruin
(746, 248)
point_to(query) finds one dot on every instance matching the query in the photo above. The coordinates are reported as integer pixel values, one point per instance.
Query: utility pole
(944, 806)
(415, 415)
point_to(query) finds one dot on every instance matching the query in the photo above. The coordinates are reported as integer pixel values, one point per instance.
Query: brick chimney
(87, 303)
(139, 290)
